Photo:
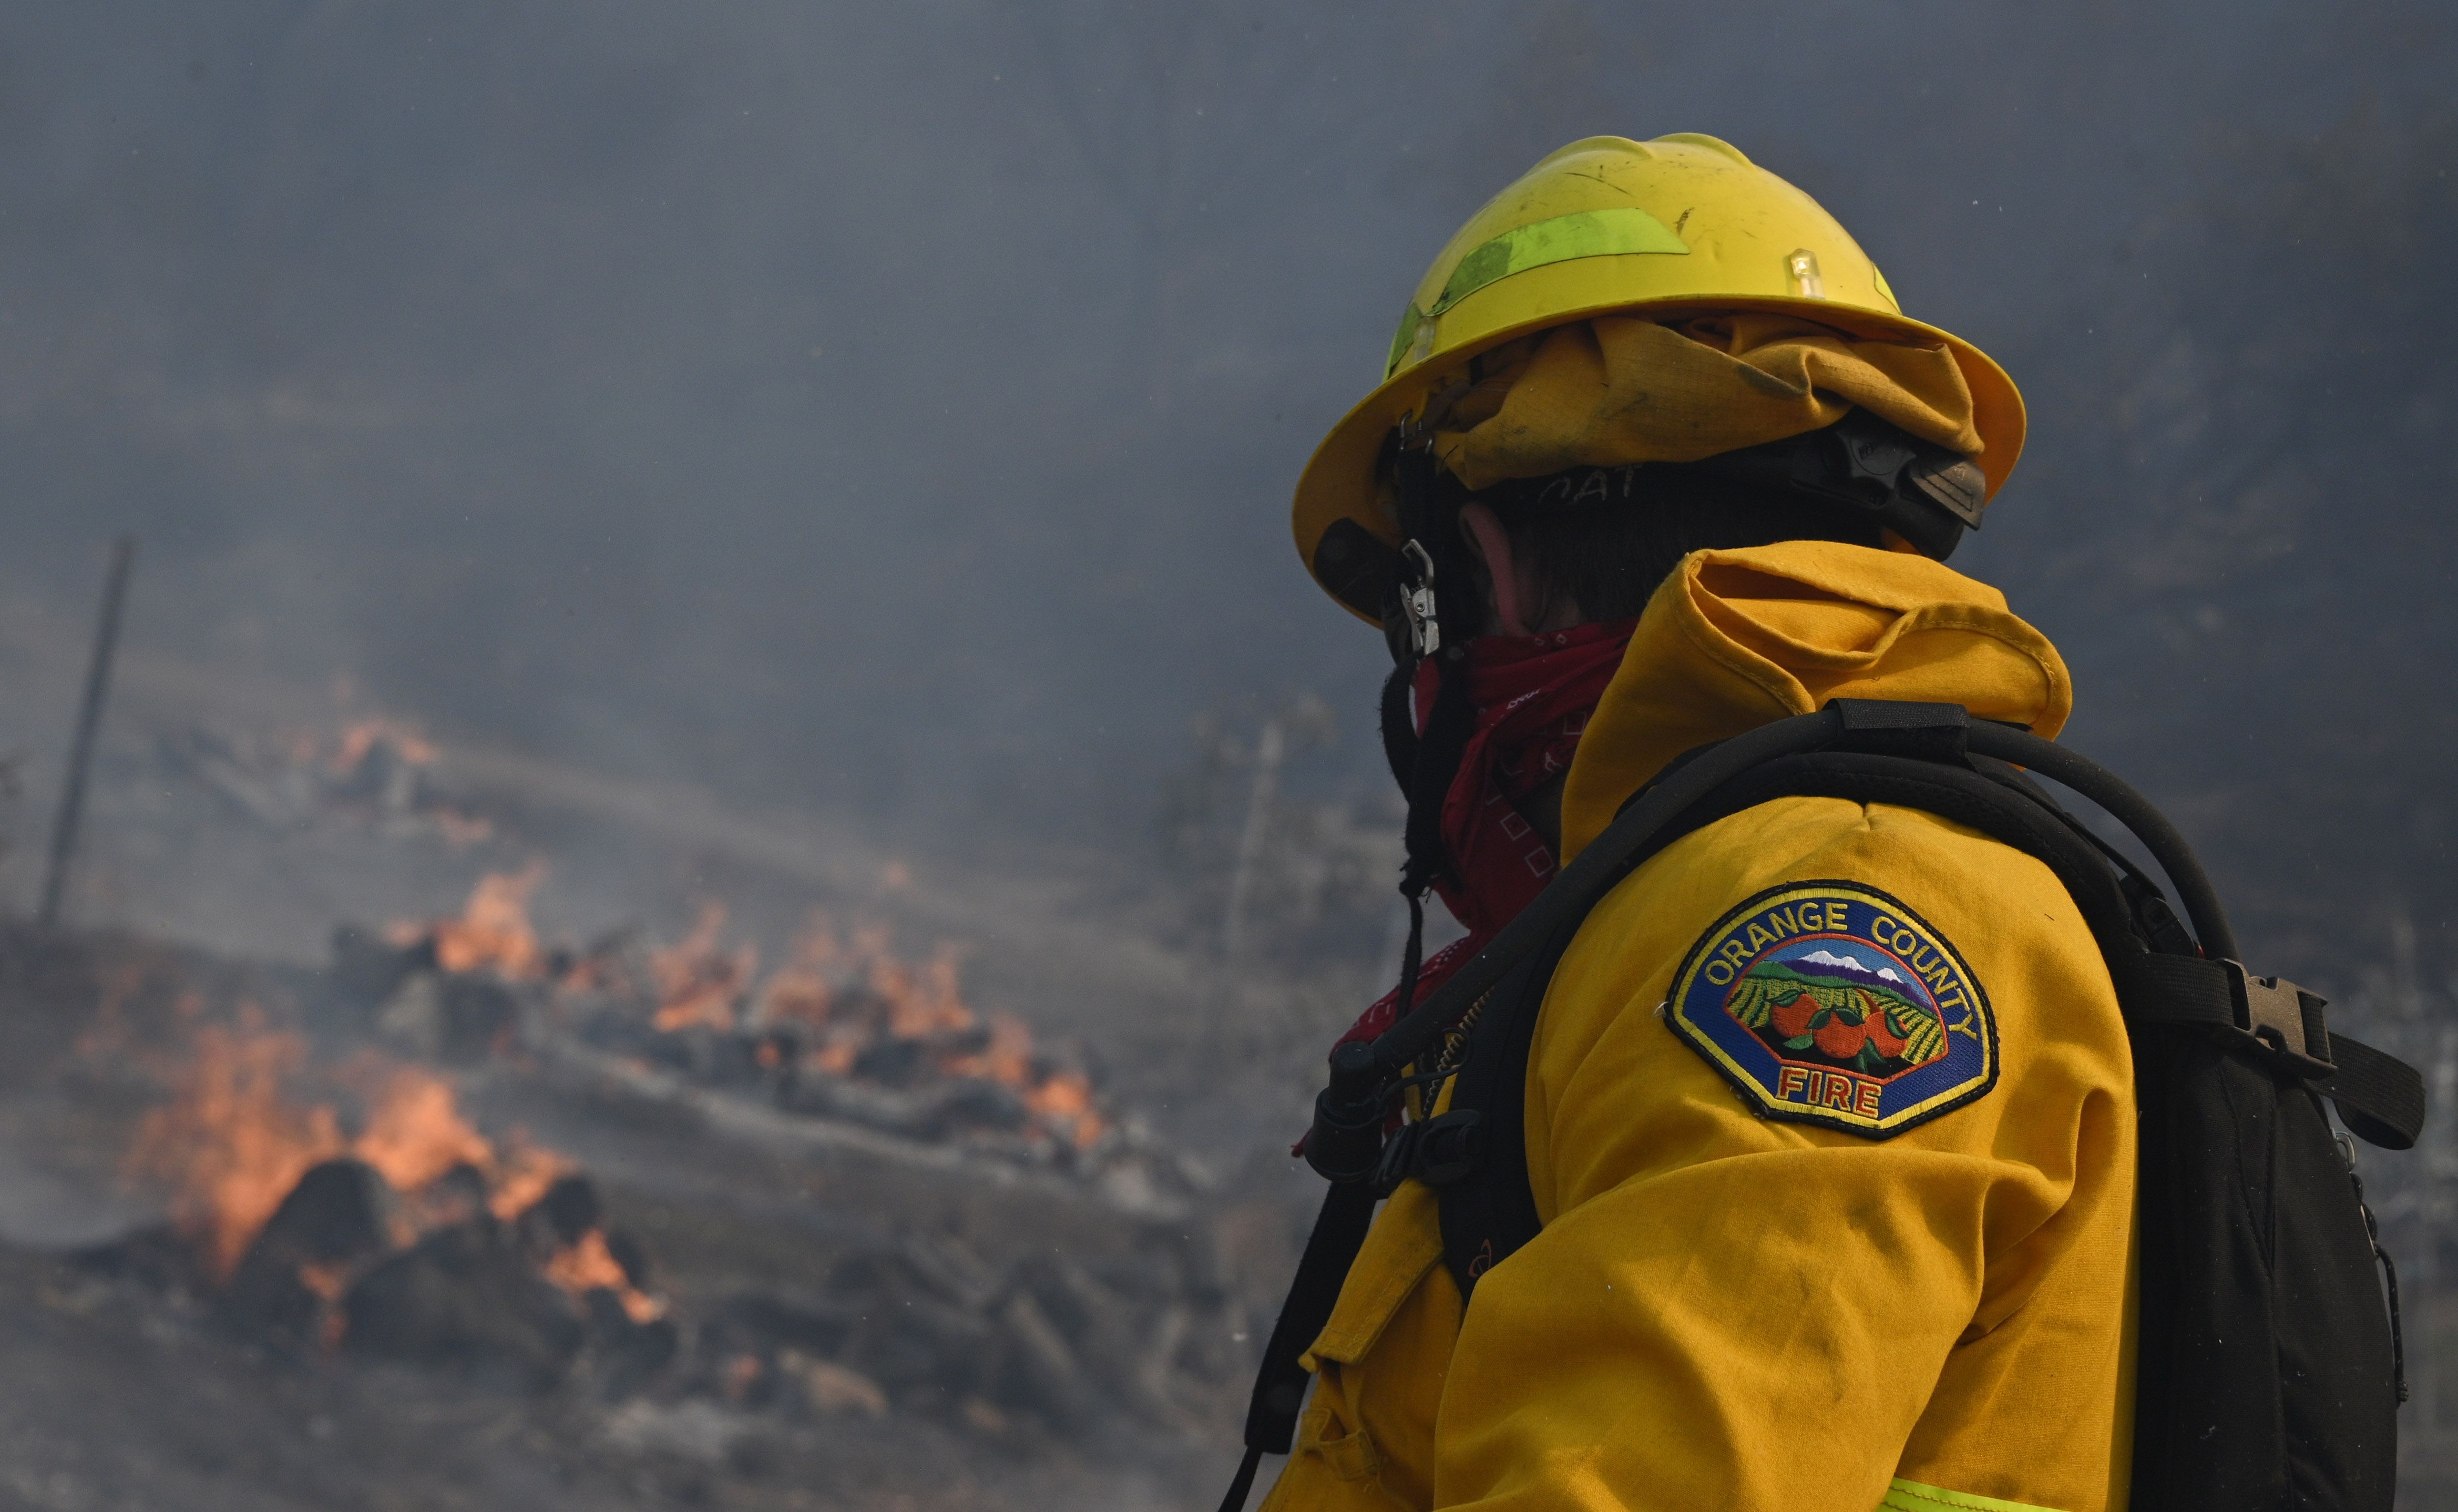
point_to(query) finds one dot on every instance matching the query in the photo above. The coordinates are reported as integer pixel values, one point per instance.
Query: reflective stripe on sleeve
(1910, 1496)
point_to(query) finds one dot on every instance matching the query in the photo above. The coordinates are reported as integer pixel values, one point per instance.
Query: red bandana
(1532, 695)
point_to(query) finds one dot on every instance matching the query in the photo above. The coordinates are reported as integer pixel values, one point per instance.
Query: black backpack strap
(1281, 1385)
(1331, 1249)
(1488, 1210)
(2379, 1096)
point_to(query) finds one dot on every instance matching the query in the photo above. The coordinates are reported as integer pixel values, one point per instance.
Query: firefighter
(1829, 1118)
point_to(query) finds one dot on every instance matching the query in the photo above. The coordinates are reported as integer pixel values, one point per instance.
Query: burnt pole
(97, 687)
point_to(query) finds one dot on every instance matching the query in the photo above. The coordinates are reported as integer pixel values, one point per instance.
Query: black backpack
(2269, 1368)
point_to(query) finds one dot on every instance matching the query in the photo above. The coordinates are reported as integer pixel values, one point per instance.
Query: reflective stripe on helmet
(1581, 233)
(1615, 231)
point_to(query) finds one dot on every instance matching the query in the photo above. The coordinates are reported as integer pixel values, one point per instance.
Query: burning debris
(417, 1238)
(843, 1029)
(376, 774)
(355, 1211)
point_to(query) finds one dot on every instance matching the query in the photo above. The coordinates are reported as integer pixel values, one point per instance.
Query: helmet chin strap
(1433, 564)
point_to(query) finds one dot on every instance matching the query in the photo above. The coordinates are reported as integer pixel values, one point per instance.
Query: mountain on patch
(1848, 966)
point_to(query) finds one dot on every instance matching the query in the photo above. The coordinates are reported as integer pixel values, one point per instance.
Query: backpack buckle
(2284, 1017)
(1345, 1144)
(1438, 1152)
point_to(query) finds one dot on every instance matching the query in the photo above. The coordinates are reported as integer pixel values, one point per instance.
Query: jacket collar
(1741, 638)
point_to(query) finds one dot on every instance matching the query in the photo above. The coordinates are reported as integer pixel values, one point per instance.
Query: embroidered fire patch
(1830, 1003)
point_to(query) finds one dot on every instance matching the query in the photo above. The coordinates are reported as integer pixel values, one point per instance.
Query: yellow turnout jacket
(1829, 1121)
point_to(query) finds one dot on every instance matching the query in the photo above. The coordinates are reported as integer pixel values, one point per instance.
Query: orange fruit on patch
(1841, 1040)
(1889, 1042)
(1792, 1019)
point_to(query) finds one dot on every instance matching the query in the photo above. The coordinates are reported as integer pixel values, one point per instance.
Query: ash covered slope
(417, 1321)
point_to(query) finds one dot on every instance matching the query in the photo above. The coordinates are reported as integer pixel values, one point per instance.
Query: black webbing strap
(2380, 1098)
(2181, 990)
(1280, 1385)
(1399, 724)
(1488, 1207)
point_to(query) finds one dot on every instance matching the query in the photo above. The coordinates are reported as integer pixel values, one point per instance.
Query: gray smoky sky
(894, 407)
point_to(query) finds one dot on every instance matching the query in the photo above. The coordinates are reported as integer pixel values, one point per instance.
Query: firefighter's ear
(1490, 545)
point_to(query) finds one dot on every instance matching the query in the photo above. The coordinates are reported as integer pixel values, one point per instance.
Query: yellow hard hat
(1608, 226)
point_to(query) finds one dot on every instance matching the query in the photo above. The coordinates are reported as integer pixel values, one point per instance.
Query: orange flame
(925, 1004)
(854, 994)
(234, 1145)
(1066, 1100)
(415, 1132)
(587, 1265)
(1007, 1059)
(230, 1143)
(523, 1175)
(698, 982)
(361, 738)
(493, 931)
(839, 1051)
(920, 1004)
(799, 991)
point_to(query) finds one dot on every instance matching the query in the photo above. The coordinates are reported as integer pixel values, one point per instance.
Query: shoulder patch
(1830, 1003)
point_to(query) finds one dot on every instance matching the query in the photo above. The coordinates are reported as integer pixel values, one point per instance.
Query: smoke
(894, 409)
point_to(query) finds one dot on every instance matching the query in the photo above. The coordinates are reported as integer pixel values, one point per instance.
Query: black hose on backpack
(2129, 808)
